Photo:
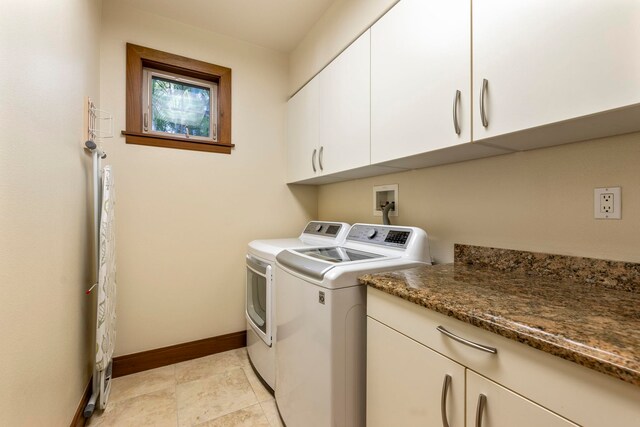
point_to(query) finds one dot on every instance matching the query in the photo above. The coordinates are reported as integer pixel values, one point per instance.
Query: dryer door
(258, 304)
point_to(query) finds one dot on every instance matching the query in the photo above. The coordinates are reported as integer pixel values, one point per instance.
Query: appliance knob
(372, 233)
(318, 227)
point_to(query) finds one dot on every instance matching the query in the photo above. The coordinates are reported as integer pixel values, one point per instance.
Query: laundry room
(309, 213)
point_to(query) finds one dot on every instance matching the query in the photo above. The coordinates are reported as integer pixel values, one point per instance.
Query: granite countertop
(586, 322)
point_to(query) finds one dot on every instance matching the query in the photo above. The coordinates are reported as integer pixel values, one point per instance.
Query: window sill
(172, 142)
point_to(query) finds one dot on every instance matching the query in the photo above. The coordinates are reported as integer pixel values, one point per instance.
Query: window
(177, 102)
(179, 106)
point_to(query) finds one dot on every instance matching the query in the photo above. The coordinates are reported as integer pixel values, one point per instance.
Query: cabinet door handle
(320, 157)
(482, 401)
(456, 101)
(483, 114)
(313, 159)
(443, 399)
(465, 341)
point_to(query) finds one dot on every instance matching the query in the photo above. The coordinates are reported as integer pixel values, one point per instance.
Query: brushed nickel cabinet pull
(483, 114)
(482, 401)
(456, 101)
(313, 159)
(320, 157)
(443, 400)
(465, 341)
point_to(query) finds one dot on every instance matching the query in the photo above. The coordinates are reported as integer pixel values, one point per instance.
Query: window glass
(180, 108)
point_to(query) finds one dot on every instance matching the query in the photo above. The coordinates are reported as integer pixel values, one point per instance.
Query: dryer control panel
(321, 228)
(395, 237)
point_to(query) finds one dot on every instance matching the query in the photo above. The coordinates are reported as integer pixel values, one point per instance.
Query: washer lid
(315, 262)
(337, 254)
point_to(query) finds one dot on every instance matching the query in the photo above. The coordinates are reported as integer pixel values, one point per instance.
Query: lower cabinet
(491, 405)
(408, 384)
(411, 348)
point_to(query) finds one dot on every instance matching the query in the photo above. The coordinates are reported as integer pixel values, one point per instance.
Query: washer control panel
(395, 237)
(321, 228)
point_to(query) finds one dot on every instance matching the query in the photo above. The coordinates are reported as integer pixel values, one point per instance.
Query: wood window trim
(138, 58)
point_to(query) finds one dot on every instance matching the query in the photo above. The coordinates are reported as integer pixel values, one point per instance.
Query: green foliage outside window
(180, 108)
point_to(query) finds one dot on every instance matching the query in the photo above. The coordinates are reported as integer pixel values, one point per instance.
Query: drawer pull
(456, 101)
(443, 399)
(482, 401)
(313, 159)
(464, 341)
(483, 113)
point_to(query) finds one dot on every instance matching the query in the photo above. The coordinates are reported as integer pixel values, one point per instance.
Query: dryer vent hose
(385, 212)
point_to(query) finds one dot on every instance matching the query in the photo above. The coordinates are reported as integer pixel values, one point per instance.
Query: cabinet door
(405, 382)
(547, 61)
(344, 109)
(504, 408)
(420, 57)
(302, 133)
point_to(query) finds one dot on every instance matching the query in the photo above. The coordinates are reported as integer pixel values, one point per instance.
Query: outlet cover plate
(607, 203)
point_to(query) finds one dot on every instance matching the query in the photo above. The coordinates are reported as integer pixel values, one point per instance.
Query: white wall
(184, 218)
(49, 63)
(340, 25)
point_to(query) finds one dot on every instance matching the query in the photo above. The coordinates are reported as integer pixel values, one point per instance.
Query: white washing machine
(321, 321)
(261, 284)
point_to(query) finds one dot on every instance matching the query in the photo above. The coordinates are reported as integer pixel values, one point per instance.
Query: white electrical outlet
(607, 203)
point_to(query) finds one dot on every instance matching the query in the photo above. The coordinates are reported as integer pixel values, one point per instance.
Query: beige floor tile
(129, 386)
(214, 396)
(260, 390)
(203, 367)
(271, 411)
(99, 416)
(242, 355)
(157, 408)
(253, 416)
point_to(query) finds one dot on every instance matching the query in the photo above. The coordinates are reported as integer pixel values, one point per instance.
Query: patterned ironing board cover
(106, 311)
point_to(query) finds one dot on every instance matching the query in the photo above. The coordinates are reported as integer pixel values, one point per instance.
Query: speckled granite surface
(623, 276)
(585, 323)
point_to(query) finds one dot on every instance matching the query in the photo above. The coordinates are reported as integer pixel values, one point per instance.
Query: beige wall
(184, 218)
(49, 63)
(539, 200)
(340, 25)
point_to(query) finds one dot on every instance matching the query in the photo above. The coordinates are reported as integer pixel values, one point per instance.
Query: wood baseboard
(78, 419)
(138, 362)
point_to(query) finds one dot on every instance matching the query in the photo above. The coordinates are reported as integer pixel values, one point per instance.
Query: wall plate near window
(177, 102)
(383, 194)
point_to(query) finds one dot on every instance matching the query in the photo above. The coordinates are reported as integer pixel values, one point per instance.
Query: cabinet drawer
(582, 395)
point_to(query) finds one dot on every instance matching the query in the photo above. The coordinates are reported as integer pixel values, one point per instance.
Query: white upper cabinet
(328, 119)
(344, 109)
(547, 61)
(302, 133)
(420, 58)
(430, 79)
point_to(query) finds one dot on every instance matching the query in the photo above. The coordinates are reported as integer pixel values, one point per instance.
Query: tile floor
(213, 391)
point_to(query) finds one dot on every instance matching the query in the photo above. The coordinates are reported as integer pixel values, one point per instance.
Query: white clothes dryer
(261, 284)
(321, 321)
